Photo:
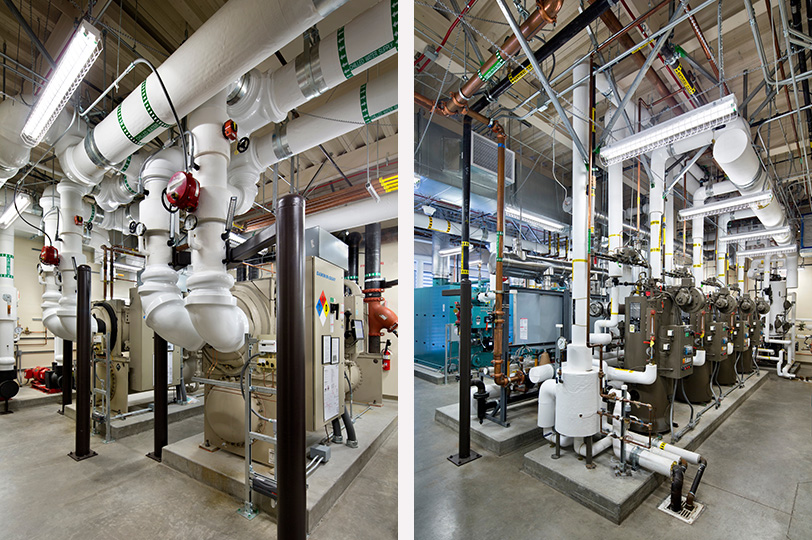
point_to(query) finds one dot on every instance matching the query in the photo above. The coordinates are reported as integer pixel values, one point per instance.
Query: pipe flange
(94, 153)
(309, 74)
(239, 90)
(281, 148)
(634, 456)
(752, 183)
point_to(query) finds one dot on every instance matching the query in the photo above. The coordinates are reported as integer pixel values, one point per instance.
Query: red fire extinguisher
(387, 356)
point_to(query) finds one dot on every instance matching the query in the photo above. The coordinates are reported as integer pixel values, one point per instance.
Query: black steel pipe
(292, 512)
(354, 243)
(67, 374)
(689, 499)
(84, 351)
(161, 406)
(563, 36)
(464, 452)
(372, 274)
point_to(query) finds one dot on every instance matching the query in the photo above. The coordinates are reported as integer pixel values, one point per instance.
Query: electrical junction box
(267, 346)
(676, 359)
(324, 291)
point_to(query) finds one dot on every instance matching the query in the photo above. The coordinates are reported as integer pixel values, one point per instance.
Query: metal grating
(806, 231)
(685, 515)
(484, 159)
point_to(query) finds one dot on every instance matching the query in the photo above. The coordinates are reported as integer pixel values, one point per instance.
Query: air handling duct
(161, 298)
(374, 100)
(258, 99)
(236, 38)
(734, 153)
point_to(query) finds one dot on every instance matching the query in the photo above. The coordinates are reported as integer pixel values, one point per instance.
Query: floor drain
(688, 516)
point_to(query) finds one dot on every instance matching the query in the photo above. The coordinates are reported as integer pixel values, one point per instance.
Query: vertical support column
(464, 453)
(67, 373)
(292, 513)
(83, 366)
(161, 409)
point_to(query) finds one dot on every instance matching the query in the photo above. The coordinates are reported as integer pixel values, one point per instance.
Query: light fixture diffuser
(11, 213)
(541, 221)
(683, 126)
(728, 205)
(759, 234)
(777, 250)
(81, 52)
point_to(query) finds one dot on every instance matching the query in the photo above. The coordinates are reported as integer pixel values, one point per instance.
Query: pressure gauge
(190, 222)
(561, 343)
(140, 229)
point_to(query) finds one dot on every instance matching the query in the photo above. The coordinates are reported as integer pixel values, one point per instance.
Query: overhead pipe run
(370, 38)
(545, 13)
(239, 36)
(372, 101)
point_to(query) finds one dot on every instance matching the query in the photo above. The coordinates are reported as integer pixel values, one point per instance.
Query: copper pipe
(625, 30)
(705, 47)
(613, 24)
(546, 13)
(498, 320)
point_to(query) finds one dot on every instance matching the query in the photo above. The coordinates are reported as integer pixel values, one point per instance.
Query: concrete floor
(122, 494)
(758, 483)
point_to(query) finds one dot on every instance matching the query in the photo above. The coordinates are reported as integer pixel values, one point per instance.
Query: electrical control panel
(324, 305)
(740, 335)
(675, 351)
(717, 339)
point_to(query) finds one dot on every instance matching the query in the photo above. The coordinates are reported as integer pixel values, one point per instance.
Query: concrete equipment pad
(492, 437)
(31, 397)
(431, 375)
(139, 423)
(226, 472)
(616, 497)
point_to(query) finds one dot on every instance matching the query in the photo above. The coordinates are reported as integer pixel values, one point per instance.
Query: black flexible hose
(677, 478)
(337, 431)
(685, 397)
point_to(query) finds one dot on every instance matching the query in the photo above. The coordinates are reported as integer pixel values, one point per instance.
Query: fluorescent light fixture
(728, 205)
(236, 238)
(760, 234)
(81, 52)
(533, 219)
(777, 250)
(127, 267)
(683, 126)
(10, 215)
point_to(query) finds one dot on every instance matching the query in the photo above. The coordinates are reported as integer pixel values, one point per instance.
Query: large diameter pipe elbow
(546, 411)
(50, 316)
(381, 317)
(164, 308)
(214, 312)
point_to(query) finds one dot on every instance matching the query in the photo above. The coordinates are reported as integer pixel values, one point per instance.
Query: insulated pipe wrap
(236, 38)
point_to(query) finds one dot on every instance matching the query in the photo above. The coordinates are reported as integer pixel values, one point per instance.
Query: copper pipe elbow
(548, 9)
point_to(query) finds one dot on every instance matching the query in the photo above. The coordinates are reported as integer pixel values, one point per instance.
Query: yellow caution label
(684, 80)
(389, 184)
(519, 76)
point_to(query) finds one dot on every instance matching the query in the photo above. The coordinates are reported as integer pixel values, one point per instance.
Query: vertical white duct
(655, 213)
(698, 223)
(377, 99)
(668, 246)
(721, 249)
(240, 35)
(740, 267)
(161, 298)
(50, 297)
(577, 396)
(211, 306)
(259, 99)
(8, 300)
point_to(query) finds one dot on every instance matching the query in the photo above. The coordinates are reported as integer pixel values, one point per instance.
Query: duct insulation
(240, 35)
(372, 101)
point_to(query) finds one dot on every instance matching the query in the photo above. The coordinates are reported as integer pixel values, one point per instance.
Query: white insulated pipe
(211, 306)
(735, 155)
(161, 298)
(422, 221)
(377, 99)
(698, 224)
(8, 300)
(645, 377)
(577, 398)
(122, 188)
(258, 99)
(721, 249)
(239, 36)
(49, 201)
(668, 246)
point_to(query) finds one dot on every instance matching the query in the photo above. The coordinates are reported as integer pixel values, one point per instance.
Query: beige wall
(29, 311)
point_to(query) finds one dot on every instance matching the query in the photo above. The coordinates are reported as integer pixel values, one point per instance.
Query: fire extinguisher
(387, 356)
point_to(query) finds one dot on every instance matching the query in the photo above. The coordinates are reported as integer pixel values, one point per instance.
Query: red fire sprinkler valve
(183, 191)
(49, 255)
